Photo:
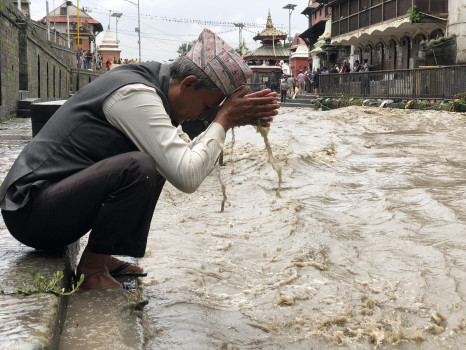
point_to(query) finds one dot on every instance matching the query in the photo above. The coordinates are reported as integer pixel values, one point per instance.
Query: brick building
(318, 15)
(67, 14)
(390, 34)
(299, 55)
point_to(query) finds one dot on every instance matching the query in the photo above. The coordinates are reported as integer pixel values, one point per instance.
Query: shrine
(268, 61)
(109, 49)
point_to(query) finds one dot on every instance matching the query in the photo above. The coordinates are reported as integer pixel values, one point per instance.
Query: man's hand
(241, 109)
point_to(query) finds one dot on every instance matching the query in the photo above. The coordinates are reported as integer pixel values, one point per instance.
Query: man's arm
(138, 112)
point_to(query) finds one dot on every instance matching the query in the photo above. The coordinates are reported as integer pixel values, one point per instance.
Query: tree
(242, 50)
(184, 48)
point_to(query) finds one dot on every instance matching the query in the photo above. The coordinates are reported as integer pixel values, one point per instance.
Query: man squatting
(100, 162)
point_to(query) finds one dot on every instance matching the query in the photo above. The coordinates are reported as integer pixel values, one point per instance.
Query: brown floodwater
(365, 248)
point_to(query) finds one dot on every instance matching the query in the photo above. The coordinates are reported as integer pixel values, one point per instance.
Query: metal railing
(419, 83)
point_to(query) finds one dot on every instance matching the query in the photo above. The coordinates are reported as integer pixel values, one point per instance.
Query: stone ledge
(34, 321)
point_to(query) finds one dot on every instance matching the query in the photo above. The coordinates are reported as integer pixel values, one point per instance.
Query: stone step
(23, 113)
(23, 94)
(299, 101)
(297, 104)
(27, 102)
(31, 321)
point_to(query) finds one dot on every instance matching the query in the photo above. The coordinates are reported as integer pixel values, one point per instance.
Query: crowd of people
(308, 82)
(88, 60)
(110, 62)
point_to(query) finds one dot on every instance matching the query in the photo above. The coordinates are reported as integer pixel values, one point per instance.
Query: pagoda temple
(266, 61)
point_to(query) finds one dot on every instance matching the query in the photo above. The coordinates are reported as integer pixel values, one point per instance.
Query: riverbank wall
(33, 68)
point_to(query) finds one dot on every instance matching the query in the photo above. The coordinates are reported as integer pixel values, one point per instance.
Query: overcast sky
(166, 24)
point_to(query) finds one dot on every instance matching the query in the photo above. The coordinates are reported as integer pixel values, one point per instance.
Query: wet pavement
(34, 321)
(92, 320)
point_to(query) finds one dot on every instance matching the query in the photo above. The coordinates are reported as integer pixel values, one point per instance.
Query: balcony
(351, 15)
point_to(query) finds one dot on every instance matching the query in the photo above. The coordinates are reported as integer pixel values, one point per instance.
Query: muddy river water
(366, 248)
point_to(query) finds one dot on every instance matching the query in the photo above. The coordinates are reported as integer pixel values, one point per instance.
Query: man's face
(187, 103)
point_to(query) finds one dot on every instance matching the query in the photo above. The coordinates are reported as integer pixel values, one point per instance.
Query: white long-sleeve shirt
(138, 112)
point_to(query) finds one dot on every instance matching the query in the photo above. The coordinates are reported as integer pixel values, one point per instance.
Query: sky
(166, 24)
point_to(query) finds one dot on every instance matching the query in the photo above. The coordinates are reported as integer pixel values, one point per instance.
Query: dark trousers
(283, 96)
(114, 199)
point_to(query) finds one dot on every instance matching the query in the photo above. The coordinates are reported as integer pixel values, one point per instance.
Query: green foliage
(184, 48)
(454, 106)
(239, 50)
(413, 15)
(134, 300)
(49, 284)
(423, 105)
(357, 102)
(460, 96)
(458, 103)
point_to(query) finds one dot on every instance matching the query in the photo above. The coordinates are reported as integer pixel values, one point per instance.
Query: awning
(313, 33)
(394, 28)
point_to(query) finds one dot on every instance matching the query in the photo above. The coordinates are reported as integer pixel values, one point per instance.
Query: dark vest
(78, 134)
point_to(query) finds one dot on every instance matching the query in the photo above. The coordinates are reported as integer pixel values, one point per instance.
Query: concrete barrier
(41, 112)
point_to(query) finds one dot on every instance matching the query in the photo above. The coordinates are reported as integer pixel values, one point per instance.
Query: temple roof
(268, 52)
(270, 31)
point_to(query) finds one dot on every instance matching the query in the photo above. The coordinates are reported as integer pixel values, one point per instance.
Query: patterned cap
(220, 62)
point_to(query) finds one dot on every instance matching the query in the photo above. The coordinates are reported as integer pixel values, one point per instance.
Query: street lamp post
(240, 26)
(138, 29)
(117, 16)
(68, 3)
(48, 19)
(290, 8)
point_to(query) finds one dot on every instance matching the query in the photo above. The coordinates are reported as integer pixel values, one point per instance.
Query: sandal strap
(120, 268)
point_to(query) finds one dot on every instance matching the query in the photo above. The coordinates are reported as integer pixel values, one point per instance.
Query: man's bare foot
(113, 263)
(98, 280)
(94, 268)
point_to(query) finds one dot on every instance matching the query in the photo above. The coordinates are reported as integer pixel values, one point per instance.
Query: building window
(54, 84)
(47, 85)
(62, 11)
(38, 76)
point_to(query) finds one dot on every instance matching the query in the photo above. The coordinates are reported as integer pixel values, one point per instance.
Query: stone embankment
(33, 319)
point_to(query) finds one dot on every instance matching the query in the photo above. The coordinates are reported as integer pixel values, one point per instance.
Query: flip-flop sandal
(117, 272)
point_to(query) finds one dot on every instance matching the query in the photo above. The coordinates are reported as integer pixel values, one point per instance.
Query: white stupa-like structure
(109, 49)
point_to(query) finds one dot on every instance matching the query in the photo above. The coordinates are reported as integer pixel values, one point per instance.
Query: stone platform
(43, 320)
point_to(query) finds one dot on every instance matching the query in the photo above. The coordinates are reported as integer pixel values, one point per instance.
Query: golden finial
(269, 24)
